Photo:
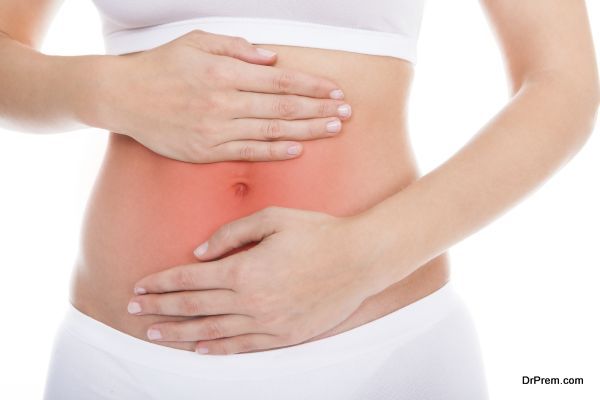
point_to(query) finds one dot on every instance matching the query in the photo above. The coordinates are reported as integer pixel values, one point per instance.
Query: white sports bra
(379, 27)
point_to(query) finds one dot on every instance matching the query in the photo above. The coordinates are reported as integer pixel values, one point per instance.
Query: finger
(268, 79)
(239, 344)
(202, 328)
(186, 303)
(198, 276)
(256, 150)
(231, 46)
(234, 234)
(287, 106)
(279, 129)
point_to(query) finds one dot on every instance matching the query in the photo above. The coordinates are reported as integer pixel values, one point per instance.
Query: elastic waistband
(398, 326)
(270, 31)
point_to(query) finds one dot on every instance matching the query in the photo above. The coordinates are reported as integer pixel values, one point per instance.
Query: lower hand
(305, 276)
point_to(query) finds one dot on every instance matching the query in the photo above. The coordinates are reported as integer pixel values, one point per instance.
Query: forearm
(45, 94)
(533, 136)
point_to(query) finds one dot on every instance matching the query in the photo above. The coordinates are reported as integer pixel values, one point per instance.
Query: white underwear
(426, 350)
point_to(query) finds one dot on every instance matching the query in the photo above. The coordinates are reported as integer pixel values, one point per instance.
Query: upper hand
(206, 98)
(305, 276)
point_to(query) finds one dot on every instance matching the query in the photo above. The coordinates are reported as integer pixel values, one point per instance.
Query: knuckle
(236, 274)
(198, 147)
(239, 42)
(269, 212)
(232, 276)
(244, 344)
(224, 233)
(189, 306)
(213, 102)
(272, 129)
(269, 319)
(318, 86)
(269, 215)
(216, 72)
(323, 109)
(271, 151)
(211, 69)
(171, 332)
(283, 81)
(194, 35)
(315, 130)
(202, 128)
(196, 32)
(224, 349)
(260, 305)
(253, 302)
(149, 304)
(232, 72)
(211, 329)
(285, 107)
(184, 279)
(247, 153)
(175, 335)
(287, 337)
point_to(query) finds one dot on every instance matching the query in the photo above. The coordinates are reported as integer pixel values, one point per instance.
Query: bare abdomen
(147, 213)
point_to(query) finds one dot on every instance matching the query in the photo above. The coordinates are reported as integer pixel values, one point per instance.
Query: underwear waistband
(398, 326)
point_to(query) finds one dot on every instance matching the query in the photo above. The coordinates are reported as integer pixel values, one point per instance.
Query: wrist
(370, 242)
(88, 88)
(384, 236)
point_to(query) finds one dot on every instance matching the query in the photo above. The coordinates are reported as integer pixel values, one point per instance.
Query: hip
(426, 350)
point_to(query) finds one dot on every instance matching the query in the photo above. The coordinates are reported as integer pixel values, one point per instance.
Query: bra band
(268, 31)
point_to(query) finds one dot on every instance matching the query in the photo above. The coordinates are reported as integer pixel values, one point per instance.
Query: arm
(40, 93)
(200, 98)
(555, 93)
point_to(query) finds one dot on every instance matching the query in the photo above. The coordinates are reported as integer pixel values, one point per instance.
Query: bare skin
(551, 113)
(417, 218)
(126, 238)
(103, 277)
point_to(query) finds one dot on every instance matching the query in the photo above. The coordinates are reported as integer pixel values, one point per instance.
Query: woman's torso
(147, 213)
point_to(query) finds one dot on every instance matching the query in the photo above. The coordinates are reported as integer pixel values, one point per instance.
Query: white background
(530, 278)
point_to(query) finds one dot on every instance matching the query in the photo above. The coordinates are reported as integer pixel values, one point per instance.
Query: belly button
(240, 188)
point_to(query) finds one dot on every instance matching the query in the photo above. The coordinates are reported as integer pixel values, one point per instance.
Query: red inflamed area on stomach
(156, 210)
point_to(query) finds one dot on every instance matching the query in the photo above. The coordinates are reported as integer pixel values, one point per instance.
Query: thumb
(235, 46)
(234, 234)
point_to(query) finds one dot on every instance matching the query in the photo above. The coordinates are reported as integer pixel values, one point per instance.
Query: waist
(147, 213)
(153, 211)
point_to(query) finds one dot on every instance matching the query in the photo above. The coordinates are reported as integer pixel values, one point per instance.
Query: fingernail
(344, 110)
(334, 126)
(293, 150)
(154, 334)
(139, 290)
(134, 307)
(202, 350)
(265, 53)
(201, 249)
(336, 94)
